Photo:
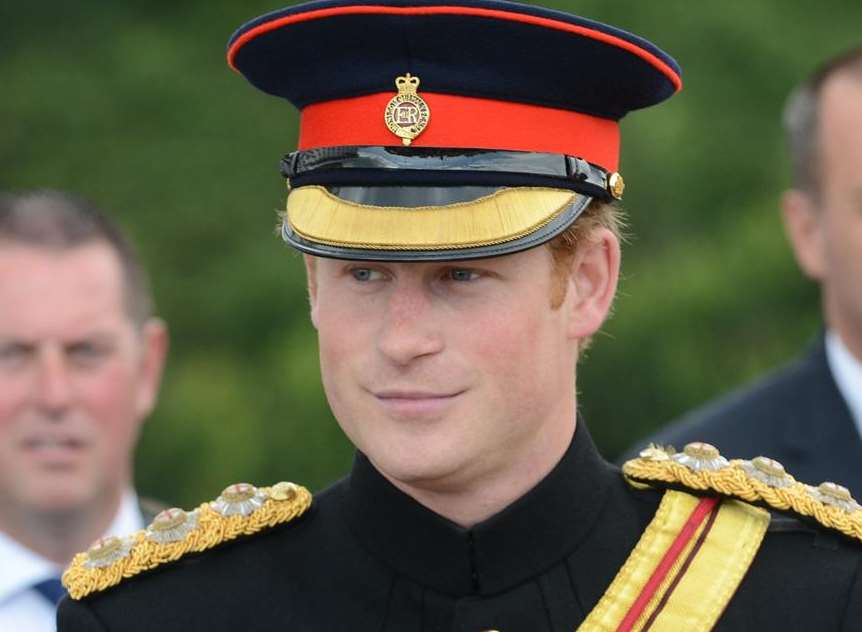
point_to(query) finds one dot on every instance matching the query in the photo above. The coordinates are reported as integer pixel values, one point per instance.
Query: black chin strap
(352, 166)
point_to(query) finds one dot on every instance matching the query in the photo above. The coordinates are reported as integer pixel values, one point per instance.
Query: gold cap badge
(407, 114)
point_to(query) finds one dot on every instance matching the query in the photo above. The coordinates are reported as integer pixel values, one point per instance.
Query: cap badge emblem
(407, 114)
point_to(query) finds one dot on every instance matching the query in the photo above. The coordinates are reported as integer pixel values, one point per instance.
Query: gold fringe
(212, 529)
(734, 482)
(508, 214)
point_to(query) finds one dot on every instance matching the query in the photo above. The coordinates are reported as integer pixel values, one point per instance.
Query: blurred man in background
(81, 358)
(809, 415)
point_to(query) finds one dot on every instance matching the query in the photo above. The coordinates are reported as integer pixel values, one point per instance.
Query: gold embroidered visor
(326, 222)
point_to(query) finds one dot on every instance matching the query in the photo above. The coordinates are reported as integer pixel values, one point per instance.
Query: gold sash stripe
(702, 579)
(680, 566)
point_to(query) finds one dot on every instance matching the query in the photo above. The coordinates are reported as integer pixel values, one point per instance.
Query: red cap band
(465, 122)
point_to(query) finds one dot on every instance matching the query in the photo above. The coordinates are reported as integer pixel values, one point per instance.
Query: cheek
(11, 428)
(13, 400)
(498, 339)
(335, 336)
(503, 331)
(843, 248)
(108, 398)
(524, 354)
(509, 346)
(344, 348)
(345, 325)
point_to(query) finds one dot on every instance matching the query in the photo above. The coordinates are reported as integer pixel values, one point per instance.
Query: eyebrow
(92, 336)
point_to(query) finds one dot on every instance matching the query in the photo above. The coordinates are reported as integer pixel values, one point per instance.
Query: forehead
(57, 291)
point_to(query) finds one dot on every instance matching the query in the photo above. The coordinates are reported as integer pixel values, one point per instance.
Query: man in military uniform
(453, 194)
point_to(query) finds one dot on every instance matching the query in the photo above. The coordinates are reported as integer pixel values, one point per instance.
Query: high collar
(527, 537)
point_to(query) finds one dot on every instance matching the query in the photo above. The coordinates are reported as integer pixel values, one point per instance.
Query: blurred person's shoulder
(783, 415)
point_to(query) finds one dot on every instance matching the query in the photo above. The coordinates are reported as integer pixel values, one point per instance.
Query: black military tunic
(368, 557)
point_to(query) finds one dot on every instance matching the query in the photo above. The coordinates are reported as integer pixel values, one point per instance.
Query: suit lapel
(821, 428)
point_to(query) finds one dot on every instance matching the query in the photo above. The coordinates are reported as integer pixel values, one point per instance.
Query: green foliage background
(132, 105)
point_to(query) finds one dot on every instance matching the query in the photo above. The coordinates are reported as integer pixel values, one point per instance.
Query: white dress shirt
(22, 608)
(847, 371)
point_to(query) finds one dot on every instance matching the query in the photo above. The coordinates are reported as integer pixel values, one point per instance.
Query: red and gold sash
(684, 569)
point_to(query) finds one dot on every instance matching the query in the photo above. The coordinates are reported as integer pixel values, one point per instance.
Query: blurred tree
(132, 104)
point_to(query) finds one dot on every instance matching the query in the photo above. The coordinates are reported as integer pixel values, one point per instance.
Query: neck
(853, 344)
(58, 535)
(843, 324)
(467, 504)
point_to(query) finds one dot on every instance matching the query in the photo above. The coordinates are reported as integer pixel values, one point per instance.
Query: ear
(154, 341)
(804, 225)
(594, 274)
(311, 277)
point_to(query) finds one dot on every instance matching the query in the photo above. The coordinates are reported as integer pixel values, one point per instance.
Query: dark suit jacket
(795, 415)
(366, 557)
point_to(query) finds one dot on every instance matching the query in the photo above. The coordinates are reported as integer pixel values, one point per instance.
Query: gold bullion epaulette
(240, 510)
(760, 481)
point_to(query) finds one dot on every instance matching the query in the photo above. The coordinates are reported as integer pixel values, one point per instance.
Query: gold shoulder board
(760, 481)
(240, 510)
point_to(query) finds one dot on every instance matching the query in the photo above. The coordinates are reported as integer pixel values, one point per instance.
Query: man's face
(76, 377)
(445, 373)
(837, 244)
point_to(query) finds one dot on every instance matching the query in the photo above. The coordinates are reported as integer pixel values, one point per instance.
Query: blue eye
(461, 274)
(365, 274)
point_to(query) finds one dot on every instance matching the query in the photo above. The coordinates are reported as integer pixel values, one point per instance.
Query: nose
(410, 328)
(53, 384)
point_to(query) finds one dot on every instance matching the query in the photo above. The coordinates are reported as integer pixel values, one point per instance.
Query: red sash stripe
(688, 560)
(706, 507)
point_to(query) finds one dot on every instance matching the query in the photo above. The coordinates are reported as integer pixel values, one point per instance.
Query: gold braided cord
(733, 481)
(212, 529)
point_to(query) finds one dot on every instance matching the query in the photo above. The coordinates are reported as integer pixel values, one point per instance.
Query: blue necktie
(51, 589)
